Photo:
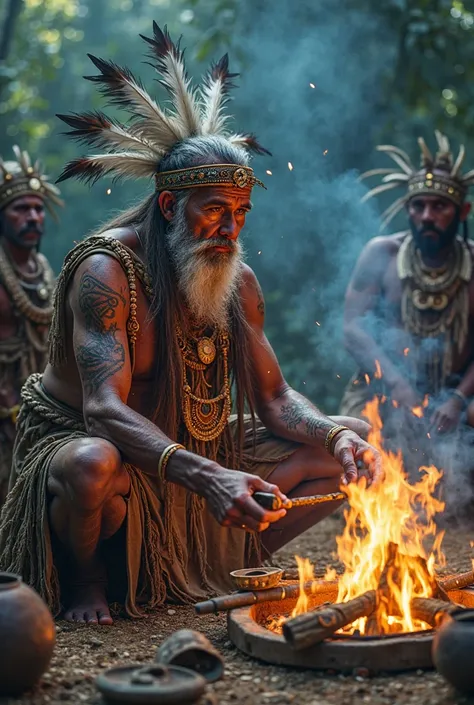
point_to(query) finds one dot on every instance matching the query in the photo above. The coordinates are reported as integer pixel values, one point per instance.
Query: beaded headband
(439, 175)
(207, 175)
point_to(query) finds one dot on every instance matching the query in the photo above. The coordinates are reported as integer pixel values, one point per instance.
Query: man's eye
(216, 209)
(241, 211)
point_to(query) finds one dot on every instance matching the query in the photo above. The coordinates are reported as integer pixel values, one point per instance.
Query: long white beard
(206, 278)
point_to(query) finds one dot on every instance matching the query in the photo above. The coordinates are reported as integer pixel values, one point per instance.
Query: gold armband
(164, 458)
(331, 435)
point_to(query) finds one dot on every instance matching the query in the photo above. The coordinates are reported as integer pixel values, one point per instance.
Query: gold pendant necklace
(205, 417)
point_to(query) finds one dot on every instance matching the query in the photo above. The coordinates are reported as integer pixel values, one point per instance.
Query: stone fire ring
(400, 652)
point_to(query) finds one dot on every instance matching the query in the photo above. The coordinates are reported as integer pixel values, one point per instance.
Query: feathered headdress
(439, 175)
(136, 149)
(22, 178)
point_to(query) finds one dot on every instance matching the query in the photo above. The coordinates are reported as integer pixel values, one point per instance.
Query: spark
(429, 435)
(325, 152)
(259, 252)
(317, 323)
(378, 370)
(109, 191)
(395, 404)
(406, 351)
(338, 376)
(367, 378)
(311, 85)
(269, 172)
(290, 166)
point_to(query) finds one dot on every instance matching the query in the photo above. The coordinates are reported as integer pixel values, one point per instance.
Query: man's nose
(229, 228)
(427, 215)
(33, 215)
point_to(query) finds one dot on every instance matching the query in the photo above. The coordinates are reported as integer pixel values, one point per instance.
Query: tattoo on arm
(102, 355)
(261, 301)
(101, 358)
(296, 412)
(98, 302)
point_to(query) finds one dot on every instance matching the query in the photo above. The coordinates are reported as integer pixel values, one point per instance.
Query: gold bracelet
(331, 434)
(165, 456)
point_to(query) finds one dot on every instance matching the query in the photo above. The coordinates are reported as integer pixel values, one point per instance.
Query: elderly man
(135, 480)
(26, 284)
(410, 305)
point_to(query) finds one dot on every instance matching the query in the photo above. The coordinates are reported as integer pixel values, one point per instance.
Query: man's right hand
(404, 394)
(229, 497)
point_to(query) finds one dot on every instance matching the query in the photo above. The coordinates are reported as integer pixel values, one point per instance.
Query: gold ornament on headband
(439, 175)
(207, 175)
(136, 149)
(22, 178)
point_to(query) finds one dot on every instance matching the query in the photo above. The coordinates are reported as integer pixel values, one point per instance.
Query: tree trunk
(12, 13)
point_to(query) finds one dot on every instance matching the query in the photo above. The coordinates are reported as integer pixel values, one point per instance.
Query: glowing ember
(269, 172)
(290, 166)
(419, 410)
(311, 85)
(378, 370)
(367, 378)
(406, 351)
(109, 191)
(325, 152)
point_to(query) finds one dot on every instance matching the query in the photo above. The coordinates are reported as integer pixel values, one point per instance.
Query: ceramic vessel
(453, 646)
(27, 635)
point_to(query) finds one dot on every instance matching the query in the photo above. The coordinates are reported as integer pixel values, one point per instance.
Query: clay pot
(453, 646)
(27, 635)
(190, 649)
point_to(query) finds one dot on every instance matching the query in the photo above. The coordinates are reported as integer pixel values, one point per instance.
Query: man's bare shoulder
(387, 245)
(126, 235)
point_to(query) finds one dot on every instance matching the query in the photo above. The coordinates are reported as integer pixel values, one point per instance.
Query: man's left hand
(350, 448)
(447, 416)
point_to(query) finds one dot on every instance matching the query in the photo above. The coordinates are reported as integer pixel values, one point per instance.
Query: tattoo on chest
(101, 358)
(296, 412)
(98, 302)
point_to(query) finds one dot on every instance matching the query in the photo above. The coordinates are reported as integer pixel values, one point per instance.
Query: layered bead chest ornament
(205, 416)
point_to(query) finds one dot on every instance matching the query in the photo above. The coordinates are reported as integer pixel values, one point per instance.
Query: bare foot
(89, 605)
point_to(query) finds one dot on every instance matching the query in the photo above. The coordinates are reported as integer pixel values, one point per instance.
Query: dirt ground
(82, 653)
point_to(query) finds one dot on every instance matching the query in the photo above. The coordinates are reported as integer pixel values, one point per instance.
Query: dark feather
(220, 70)
(112, 79)
(82, 169)
(254, 146)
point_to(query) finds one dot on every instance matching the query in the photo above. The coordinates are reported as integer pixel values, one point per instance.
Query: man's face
(434, 222)
(217, 214)
(203, 242)
(22, 222)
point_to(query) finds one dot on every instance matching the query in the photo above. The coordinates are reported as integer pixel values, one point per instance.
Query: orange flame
(367, 378)
(378, 370)
(396, 514)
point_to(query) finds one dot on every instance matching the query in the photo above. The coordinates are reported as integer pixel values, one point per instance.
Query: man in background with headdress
(410, 303)
(134, 482)
(26, 285)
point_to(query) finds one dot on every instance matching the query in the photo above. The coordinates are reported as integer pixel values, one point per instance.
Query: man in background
(26, 286)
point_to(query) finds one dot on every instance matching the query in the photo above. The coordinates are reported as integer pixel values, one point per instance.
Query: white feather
(163, 130)
(214, 99)
(186, 105)
(125, 164)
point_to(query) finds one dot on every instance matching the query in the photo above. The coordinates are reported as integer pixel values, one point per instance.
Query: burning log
(312, 627)
(457, 581)
(225, 603)
(431, 611)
